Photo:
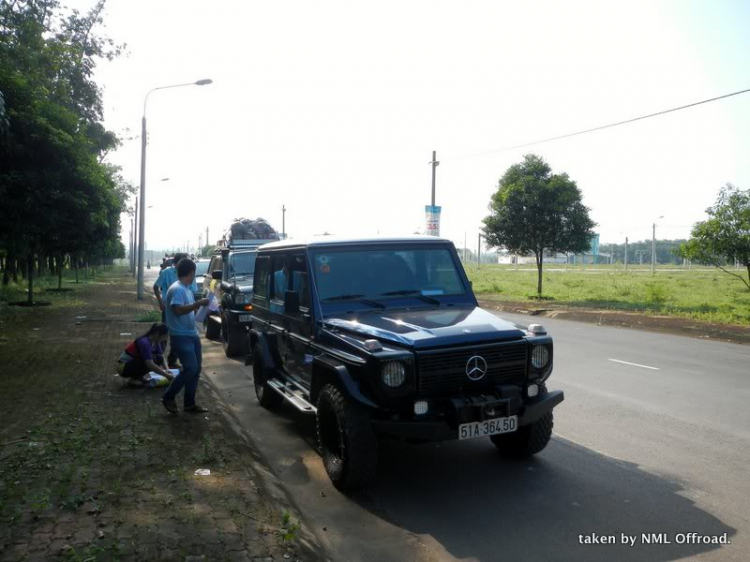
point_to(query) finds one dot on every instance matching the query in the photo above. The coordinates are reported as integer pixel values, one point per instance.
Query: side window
(279, 282)
(261, 283)
(300, 281)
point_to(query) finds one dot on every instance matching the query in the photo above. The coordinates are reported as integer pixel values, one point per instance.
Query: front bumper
(238, 317)
(440, 430)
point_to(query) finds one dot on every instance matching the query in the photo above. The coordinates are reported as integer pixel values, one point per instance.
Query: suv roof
(319, 241)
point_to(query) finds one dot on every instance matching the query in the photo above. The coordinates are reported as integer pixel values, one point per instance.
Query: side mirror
(291, 303)
(216, 274)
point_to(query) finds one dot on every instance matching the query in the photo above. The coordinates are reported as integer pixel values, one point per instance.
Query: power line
(603, 126)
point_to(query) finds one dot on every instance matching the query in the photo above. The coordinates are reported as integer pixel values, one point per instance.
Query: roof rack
(247, 243)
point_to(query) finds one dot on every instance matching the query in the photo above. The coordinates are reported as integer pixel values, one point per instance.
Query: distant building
(592, 256)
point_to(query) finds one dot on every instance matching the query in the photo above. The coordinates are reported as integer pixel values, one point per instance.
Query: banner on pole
(432, 217)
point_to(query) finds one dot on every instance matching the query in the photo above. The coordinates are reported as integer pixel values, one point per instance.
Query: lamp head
(204, 82)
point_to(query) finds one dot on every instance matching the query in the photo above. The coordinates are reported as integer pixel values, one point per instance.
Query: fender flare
(259, 337)
(338, 371)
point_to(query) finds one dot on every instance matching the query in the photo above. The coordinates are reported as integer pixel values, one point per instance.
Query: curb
(307, 541)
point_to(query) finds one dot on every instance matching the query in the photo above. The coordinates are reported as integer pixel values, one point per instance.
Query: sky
(333, 109)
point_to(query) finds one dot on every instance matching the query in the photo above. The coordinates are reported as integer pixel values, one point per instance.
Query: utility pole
(207, 242)
(135, 237)
(434, 164)
(479, 250)
(653, 247)
(130, 247)
(283, 222)
(626, 253)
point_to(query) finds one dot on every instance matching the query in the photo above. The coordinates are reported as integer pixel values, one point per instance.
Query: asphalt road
(653, 437)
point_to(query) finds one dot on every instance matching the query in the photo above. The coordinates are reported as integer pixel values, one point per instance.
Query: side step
(291, 394)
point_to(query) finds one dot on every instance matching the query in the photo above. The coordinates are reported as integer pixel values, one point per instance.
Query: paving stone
(233, 543)
(64, 530)
(238, 556)
(226, 526)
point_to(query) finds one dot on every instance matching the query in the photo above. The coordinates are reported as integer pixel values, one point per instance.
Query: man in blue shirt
(166, 279)
(179, 308)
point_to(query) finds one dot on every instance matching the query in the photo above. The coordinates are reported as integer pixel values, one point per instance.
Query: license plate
(487, 428)
(245, 317)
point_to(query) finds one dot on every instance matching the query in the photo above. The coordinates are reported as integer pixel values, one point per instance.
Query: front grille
(443, 372)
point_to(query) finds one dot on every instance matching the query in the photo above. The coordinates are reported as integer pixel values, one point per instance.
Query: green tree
(535, 211)
(724, 238)
(58, 196)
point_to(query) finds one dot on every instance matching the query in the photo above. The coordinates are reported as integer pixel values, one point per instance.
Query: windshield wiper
(415, 292)
(368, 302)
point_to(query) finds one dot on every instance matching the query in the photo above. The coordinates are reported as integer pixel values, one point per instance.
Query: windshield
(386, 274)
(201, 267)
(242, 264)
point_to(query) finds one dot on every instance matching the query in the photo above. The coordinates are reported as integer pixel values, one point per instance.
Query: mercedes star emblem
(476, 367)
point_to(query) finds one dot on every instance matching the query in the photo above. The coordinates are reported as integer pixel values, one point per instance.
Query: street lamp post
(653, 247)
(144, 143)
(136, 238)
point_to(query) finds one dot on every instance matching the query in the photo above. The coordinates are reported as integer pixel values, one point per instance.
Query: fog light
(533, 390)
(421, 407)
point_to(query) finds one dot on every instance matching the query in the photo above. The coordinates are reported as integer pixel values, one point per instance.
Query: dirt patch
(668, 324)
(91, 469)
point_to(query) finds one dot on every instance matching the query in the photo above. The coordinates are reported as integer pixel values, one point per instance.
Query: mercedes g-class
(384, 337)
(230, 279)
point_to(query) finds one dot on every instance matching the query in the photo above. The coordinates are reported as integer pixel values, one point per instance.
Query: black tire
(527, 441)
(346, 440)
(266, 397)
(213, 329)
(233, 341)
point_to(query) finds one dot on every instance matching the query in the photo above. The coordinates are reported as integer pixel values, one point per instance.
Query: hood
(434, 327)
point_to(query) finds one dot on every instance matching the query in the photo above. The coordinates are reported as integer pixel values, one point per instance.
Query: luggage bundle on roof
(246, 231)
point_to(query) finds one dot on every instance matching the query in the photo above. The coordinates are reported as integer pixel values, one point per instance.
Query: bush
(656, 293)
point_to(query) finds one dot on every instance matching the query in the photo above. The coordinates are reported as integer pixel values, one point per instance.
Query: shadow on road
(481, 507)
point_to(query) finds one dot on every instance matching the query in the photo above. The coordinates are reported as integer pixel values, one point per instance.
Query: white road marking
(634, 364)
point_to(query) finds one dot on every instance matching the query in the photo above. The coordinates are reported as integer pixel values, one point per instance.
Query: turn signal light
(248, 307)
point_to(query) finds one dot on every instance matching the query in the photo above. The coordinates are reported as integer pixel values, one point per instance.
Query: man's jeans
(188, 349)
(172, 357)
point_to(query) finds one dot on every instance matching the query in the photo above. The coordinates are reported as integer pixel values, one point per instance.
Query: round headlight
(539, 356)
(393, 374)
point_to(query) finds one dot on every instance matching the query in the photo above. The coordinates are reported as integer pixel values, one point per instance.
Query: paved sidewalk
(91, 469)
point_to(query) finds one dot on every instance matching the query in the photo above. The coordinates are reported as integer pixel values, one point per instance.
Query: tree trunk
(76, 271)
(59, 272)
(30, 265)
(539, 259)
(10, 261)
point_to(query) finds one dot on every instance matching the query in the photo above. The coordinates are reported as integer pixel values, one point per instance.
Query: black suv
(230, 279)
(383, 337)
